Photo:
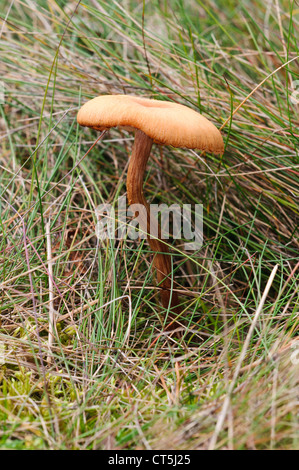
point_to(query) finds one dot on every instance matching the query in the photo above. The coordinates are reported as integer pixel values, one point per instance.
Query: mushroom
(164, 123)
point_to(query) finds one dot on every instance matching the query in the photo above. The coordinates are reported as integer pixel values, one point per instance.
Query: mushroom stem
(162, 262)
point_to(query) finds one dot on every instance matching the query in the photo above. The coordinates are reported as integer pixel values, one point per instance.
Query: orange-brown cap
(165, 122)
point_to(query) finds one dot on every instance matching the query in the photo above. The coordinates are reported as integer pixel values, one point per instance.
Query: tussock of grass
(110, 380)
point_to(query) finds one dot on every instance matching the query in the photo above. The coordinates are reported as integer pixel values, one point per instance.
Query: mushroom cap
(165, 122)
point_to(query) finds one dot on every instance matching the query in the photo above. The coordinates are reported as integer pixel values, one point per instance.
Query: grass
(110, 380)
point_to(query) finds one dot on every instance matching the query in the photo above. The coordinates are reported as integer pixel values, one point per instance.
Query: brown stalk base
(161, 261)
